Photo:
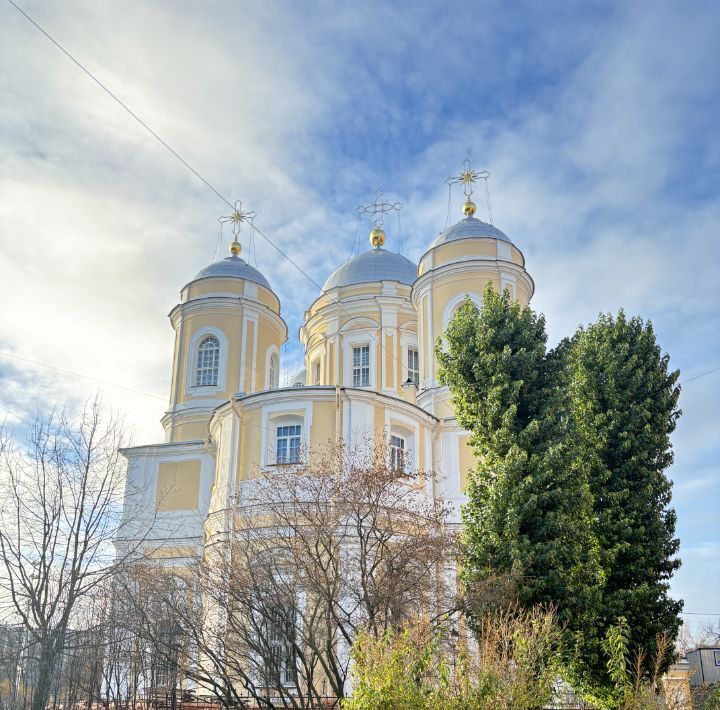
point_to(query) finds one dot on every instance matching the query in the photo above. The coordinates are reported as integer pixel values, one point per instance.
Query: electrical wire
(230, 204)
(702, 374)
(195, 172)
(85, 377)
(125, 106)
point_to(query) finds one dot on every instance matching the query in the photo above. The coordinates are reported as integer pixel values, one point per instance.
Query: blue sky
(598, 122)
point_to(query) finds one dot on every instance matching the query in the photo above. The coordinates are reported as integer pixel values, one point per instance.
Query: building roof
(469, 228)
(233, 267)
(374, 265)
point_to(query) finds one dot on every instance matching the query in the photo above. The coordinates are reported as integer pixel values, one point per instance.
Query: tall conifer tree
(625, 406)
(529, 509)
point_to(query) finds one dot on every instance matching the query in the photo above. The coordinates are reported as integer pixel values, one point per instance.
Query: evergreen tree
(624, 403)
(529, 509)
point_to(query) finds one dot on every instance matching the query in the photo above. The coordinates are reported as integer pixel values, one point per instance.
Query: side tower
(459, 264)
(228, 335)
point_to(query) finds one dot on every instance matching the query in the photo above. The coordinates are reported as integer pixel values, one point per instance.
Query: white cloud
(594, 120)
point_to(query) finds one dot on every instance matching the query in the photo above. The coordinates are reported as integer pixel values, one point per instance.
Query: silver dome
(374, 265)
(233, 267)
(470, 228)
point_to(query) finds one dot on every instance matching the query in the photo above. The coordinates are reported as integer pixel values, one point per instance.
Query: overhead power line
(702, 374)
(191, 168)
(209, 185)
(78, 374)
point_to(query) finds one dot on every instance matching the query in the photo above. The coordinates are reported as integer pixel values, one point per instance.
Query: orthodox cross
(468, 177)
(237, 217)
(378, 209)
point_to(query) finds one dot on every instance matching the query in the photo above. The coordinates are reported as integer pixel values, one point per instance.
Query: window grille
(413, 366)
(287, 444)
(208, 362)
(361, 366)
(279, 632)
(397, 453)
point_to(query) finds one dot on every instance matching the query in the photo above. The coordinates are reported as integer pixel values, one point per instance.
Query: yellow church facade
(370, 371)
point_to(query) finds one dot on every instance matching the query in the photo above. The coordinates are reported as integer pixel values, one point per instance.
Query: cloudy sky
(598, 122)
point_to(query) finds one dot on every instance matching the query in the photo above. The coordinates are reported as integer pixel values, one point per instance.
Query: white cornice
(207, 304)
(181, 447)
(470, 265)
(357, 306)
(470, 239)
(322, 393)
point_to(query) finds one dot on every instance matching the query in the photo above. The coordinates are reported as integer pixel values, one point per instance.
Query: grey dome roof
(233, 267)
(469, 228)
(373, 265)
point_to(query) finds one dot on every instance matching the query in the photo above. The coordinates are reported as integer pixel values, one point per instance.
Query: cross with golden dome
(377, 211)
(468, 177)
(237, 217)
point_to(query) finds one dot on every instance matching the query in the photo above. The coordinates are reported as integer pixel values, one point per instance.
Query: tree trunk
(41, 691)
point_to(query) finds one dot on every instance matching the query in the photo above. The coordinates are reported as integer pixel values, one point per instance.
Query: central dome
(373, 265)
(470, 228)
(233, 267)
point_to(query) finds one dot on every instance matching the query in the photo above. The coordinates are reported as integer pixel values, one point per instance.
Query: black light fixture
(409, 383)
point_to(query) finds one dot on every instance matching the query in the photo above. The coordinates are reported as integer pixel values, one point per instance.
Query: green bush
(511, 666)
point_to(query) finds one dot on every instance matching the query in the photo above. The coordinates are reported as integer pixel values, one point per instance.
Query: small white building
(706, 662)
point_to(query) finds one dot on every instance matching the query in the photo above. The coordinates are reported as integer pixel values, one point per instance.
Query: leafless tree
(61, 500)
(310, 554)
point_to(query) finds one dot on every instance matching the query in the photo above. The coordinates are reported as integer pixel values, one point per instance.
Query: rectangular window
(316, 372)
(288, 443)
(361, 366)
(413, 366)
(397, 453)
(279, 632)
(717, 657)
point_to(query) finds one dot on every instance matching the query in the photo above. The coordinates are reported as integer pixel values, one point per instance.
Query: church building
(368, 338)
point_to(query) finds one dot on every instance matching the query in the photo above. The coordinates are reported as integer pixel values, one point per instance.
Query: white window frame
(413, 373)
(290, 436)
(362, 369)
(207, 362)
(192, 360)
(716, 658)
(364, 332)
(406, 428)
(398, 453)
(274, 415)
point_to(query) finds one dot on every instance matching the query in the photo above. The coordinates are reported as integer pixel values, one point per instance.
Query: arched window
(273, 373)
(208, 362)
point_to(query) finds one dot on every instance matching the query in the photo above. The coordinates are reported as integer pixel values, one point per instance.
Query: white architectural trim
(453, 303)
(191, 362)
(271, 413)
(408, 429)
(272, 350)
(356, 338)
(408, 340)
